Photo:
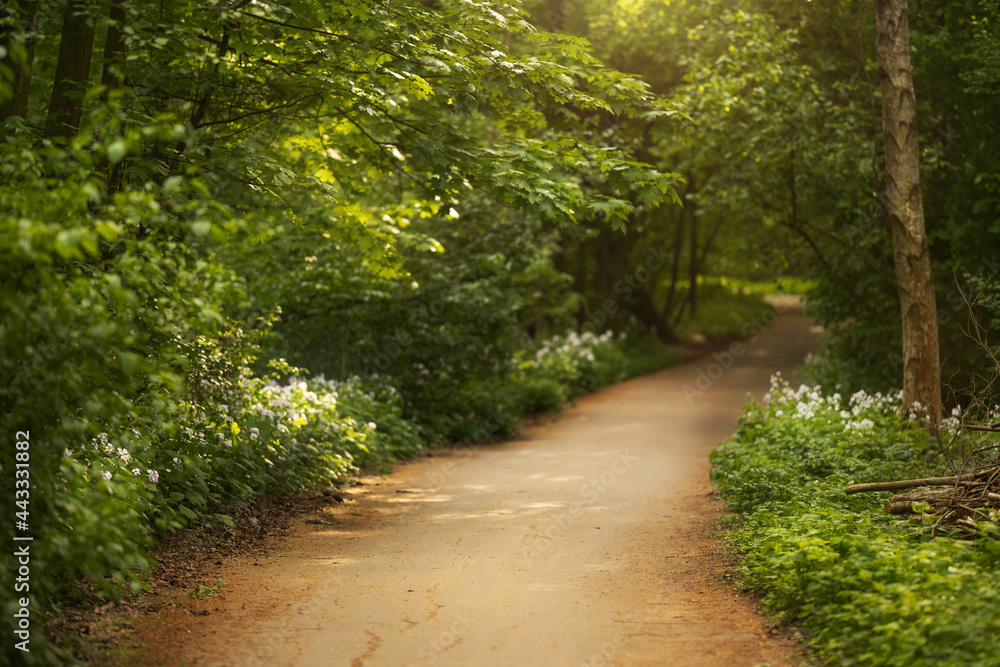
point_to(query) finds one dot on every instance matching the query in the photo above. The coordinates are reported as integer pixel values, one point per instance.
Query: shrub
(870, 589)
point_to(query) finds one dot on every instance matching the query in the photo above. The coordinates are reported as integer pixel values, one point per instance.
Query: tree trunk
(114, 48)
(556, 13)
(26, 17)
(693, 267)
(76, 47)
(111, 77)
(675, 267)
(914, 281)
(645, 311)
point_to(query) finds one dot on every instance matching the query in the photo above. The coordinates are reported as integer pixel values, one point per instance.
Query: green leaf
(117, 151)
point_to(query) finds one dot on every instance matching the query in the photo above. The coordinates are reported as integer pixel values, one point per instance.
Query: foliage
(202, 590)
(564, 367)
(727, 312)
(871, 590)
(416, 199)
(441, 333)
(259, 174)
(783, 162)
(101, 292)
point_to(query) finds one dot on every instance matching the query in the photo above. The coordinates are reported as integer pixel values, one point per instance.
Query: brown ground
(588, 541)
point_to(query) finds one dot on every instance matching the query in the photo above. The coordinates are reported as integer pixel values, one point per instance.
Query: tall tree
(904, 201)
(76, 46)
(17, 44)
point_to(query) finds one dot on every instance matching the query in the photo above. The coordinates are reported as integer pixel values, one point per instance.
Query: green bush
(870, 589)
(129, 354)
(132, 386)
(578, 363)
(101, 291)
(539, 394)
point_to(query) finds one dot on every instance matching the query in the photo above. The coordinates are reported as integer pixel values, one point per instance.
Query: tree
(904, 201)
(339, 137)
(76, 46)
(17, 51)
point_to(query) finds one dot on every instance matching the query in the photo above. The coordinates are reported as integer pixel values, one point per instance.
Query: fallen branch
(992, 428)
(914, 483)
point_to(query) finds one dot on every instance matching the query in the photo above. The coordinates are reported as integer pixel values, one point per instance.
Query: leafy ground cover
(870, 589)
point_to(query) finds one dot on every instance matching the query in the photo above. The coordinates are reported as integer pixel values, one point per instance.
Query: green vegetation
(251, 247)
(197, 198)
(202, 590)
(725, 312)
(870, 589)
(784, 168)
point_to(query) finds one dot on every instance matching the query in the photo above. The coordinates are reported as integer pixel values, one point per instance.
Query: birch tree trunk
(914, 281)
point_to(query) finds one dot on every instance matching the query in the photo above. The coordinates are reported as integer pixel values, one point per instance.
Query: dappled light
(458, 296)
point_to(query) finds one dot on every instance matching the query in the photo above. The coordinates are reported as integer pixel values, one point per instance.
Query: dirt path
(586, 542)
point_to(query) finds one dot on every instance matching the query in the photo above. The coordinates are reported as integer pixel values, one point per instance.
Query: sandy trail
(585, 542)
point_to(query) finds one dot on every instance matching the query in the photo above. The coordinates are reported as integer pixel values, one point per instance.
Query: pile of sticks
(958, 501)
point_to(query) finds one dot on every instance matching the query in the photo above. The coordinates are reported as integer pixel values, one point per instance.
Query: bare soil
(587, 541)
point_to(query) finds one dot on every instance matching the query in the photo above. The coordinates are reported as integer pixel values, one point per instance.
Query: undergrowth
(241, 437)
(871, 590)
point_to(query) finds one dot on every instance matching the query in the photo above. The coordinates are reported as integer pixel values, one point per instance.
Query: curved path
(585, 542)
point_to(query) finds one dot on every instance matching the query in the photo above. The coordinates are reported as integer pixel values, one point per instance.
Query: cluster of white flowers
(574, 346)
(295, 400)
(810, 403)
(863, 425)
(950, 425)
(808, 400)
(114, 456)
(885, 404)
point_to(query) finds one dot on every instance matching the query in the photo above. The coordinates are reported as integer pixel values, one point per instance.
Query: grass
(723, 313)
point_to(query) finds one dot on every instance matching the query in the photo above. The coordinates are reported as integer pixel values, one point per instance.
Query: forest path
(587, 541)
